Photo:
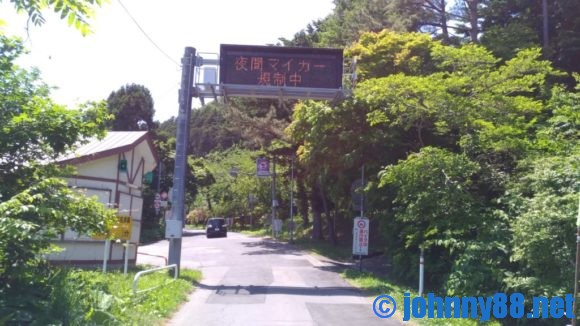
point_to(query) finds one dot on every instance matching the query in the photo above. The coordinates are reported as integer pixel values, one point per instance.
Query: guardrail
(149, 271)
(151, 255)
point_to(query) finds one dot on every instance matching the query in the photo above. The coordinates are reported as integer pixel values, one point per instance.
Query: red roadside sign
(360, 239)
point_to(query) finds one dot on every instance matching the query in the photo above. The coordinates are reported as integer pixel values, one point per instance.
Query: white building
(112, 169)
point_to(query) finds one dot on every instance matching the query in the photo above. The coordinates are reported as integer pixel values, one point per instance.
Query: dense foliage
(77, 297)
(29, 222)
(469, 140)
(35, 204)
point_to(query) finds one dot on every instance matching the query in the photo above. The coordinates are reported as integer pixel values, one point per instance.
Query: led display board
(281, 66)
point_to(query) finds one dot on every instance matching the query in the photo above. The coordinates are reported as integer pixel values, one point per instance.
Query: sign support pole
(292, 201)
(577, 267)
(183, 117)
(362, 201)
(106, 254)
(273, 196)
(157, 208)
(421, 271)
(126, 264)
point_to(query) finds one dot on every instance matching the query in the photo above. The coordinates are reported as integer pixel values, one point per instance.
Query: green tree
(469, 117)
(226, 179)
(504, 41)
(542, 200)
(259, 122)
(434, 208)
(350, 19)
(250, 123)
(543, 205)
(560, 133)
(519, 23)
(429, 16)
(333, 143)
(39, 214)
(468, 14)
(35, 129)
(488, 107)
(76, 12)
(388, 53)
(34, 206)
(308, 37)
(132, 109)
(210, 130)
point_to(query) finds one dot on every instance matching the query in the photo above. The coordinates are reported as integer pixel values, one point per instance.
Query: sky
(117, 53)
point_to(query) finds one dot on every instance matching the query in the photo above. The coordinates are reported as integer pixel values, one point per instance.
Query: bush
(153, 232)
(80, 297)
(197, 216)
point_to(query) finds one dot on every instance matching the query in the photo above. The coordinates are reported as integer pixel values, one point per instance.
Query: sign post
(274, 201)
(360, 243)
(106, 254)
(360, 239)
(292, 202)
(157, 203)
(120, 230)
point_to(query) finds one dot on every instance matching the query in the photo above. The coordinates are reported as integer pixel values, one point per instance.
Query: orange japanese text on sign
(280, 67)
(264, 79)
(274, 63)
(304, 66)
(295, 79)
(257, 64)
(288, 65)
(241, 64)
(279, 79)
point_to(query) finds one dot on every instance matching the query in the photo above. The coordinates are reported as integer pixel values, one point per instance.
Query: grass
(257, 232)
(194, 226)
(324, 248)
(91, 297)
(374, 285)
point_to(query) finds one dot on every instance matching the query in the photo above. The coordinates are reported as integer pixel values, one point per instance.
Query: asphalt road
(253, 281)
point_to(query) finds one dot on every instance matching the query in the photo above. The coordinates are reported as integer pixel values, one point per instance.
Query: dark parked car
(216, 226)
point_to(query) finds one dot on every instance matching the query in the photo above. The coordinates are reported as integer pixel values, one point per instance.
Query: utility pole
(182, 137)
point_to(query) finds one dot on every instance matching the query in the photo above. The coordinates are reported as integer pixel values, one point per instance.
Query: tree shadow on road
(226, 290)
(335, 267)
(266, 247)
